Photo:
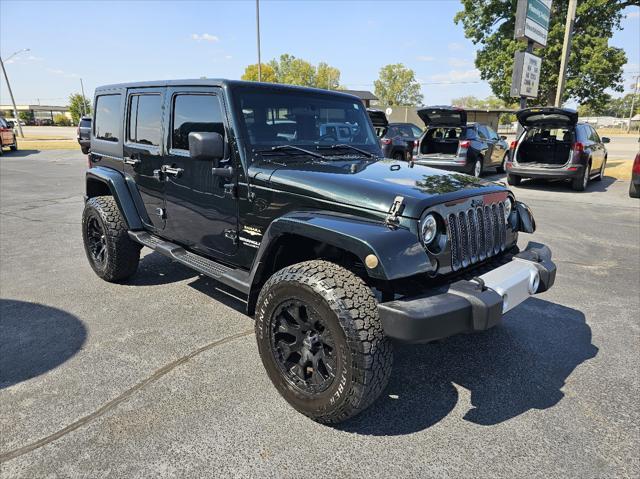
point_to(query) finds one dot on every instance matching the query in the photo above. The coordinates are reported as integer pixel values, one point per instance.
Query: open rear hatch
(548, 117)
(446, 127)
(549, 136)
(443, 116)
(379, 120)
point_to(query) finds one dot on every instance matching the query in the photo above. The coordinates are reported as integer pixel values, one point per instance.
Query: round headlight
(507, 208)
(429, 229)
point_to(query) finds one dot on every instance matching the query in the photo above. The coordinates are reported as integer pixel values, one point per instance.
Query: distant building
(38, 112)
(366, 96)
(605, 121)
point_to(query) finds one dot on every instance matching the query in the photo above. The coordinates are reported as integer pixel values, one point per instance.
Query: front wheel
(321, 340)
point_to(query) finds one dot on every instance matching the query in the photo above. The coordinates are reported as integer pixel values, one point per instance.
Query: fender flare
(117, 185)
(399, 251)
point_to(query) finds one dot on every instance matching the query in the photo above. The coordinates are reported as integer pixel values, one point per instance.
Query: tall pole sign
(532, 25)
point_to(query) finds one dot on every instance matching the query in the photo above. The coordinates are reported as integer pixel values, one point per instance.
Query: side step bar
(235, 278)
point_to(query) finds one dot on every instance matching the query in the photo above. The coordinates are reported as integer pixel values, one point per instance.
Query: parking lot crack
(83, 421)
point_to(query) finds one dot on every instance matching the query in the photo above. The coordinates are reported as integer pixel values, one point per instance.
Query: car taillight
(636, 164)
(579, 147)
(513, 145)
(465, 144)
(385, 141)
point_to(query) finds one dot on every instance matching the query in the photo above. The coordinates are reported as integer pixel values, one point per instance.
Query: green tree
(397, 85)
(26, 116)
(490, 103)
(61, 120)
(327, 76)
(295, 71)
(593, 65)
(268, 73)
(78, 106)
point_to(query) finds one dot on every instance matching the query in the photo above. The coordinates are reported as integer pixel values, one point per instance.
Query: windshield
(314, 121)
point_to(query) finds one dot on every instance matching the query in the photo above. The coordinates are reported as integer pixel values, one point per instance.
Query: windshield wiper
(297, 148)
(349, 147)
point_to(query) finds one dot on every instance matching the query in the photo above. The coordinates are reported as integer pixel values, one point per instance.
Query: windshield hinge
(232, 235)
(395, 211)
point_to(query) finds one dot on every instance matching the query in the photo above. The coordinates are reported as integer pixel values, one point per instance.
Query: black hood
(374, 185)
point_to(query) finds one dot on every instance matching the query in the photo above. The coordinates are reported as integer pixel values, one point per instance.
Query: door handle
(131, 161)
(171, 171)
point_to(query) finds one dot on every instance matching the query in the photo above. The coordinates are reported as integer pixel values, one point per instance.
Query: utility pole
(258, 37)
(566, 50)
(84, 100)
(633, 102)
(13, 101)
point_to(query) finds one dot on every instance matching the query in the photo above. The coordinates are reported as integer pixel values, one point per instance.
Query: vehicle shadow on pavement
(35, 339)
(19, 153)
(517, 366)
(155, 269)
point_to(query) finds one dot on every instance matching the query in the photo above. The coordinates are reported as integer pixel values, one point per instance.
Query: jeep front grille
(476, 234)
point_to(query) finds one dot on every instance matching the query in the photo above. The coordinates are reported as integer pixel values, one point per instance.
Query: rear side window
(107, 126)
(193, 113)
(145, 114)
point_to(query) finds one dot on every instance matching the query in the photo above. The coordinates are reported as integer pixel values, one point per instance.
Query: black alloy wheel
(96, 241)
(303, 347)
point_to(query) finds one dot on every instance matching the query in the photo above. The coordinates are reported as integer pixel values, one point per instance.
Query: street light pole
(258, 37)
(13, 101)
(84, 100)
(566, 50)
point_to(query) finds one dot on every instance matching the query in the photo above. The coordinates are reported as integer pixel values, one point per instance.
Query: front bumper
(473, 305)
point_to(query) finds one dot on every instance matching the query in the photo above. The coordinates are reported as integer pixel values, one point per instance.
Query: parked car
(396, 139)
(84, 134)
(450, 143)
(335, 249)
(43, 122)
(15, 122)
(634, 186)
(7, 136)
(554, 145)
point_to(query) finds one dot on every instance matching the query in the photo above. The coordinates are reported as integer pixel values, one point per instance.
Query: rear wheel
(634, 190)
(398, 156)
(14, 147)
(513, 179)
(85, 150)
(321, 340)
(503, 166)
(580, 182)
(111, 253)
(477, 168)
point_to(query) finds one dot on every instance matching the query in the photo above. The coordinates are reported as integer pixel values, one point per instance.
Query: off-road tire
(513, 180)
(350, 311)
(579, 183)
(122, 253)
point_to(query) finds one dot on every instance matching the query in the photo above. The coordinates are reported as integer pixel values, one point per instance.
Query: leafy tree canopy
(618, 107)
(397, 85)
(78, 106)
(295, 71)
(490, 103)
(593, 65)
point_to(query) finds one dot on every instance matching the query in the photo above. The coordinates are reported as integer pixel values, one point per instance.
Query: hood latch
(397, 207)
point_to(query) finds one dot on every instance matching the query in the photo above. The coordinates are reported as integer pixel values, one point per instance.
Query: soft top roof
(224, 83)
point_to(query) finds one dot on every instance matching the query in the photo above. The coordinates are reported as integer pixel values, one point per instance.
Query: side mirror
(502, 137)
(605, 139)
(206, 146)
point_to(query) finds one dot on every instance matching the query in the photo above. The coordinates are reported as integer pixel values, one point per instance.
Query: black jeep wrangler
(336, 249)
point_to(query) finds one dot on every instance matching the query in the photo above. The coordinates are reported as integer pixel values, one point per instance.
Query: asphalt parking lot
(161, 377)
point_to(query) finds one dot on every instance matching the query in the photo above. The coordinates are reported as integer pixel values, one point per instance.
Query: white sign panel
(532, 21)
(526, 75)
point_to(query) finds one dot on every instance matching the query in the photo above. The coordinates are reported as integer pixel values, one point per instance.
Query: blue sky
(110, 42)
